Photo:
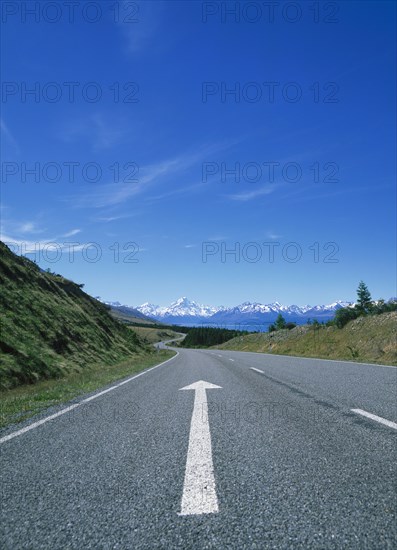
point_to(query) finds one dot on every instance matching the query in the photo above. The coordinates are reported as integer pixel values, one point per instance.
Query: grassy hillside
(366, 339)
(153, 335)
(130, 315)
(50, 327)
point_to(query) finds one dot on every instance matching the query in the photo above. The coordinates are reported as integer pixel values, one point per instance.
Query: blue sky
(313, 163)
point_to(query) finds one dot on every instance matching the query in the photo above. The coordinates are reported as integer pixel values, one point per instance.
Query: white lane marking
(38, 423)
(231, 359)
(219, 355)
(71, 407)
(199, 493)
(379, 419)
(257, 370)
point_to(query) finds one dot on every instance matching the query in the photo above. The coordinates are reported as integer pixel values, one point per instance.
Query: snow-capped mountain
(181, 308)
(185, 311)
(127, 311)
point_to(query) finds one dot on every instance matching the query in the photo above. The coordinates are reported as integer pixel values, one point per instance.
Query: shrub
(344, 315)
(280, 322)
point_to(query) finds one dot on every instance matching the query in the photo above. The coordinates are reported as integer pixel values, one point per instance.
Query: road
(271, 458)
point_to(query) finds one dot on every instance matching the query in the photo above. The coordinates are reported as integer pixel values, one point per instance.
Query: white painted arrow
(199, 493)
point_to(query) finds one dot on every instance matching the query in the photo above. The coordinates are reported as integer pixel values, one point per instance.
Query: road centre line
(259, 353)
(379, 419)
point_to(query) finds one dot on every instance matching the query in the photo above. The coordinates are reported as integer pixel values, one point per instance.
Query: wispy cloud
(29, 227)
(150, 176)
(8, 137)
(101, 132)
(116, 193)
(72, 233)
(272, 236)
(24, 228)
(250, 195)
(182, 190)
(29, 246)
(108, 219)
(25, 244)
(139, 22)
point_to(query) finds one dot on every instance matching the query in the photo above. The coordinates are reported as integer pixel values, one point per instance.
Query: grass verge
(370, 339)
(23, 402)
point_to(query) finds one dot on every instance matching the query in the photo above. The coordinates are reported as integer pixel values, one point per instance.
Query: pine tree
(364, 300)
(280, 322)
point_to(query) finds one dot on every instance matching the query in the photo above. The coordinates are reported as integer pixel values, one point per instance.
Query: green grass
(370, 339)
(51, 328)
(23, 402)
(57, 342)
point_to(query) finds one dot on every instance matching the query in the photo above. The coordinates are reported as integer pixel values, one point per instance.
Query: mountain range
(245, 316)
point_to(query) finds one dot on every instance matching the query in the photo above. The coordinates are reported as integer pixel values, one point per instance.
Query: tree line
(209, 336)
(363, 306)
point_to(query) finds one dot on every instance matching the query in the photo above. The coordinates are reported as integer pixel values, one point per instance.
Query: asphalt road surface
(266, 452)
